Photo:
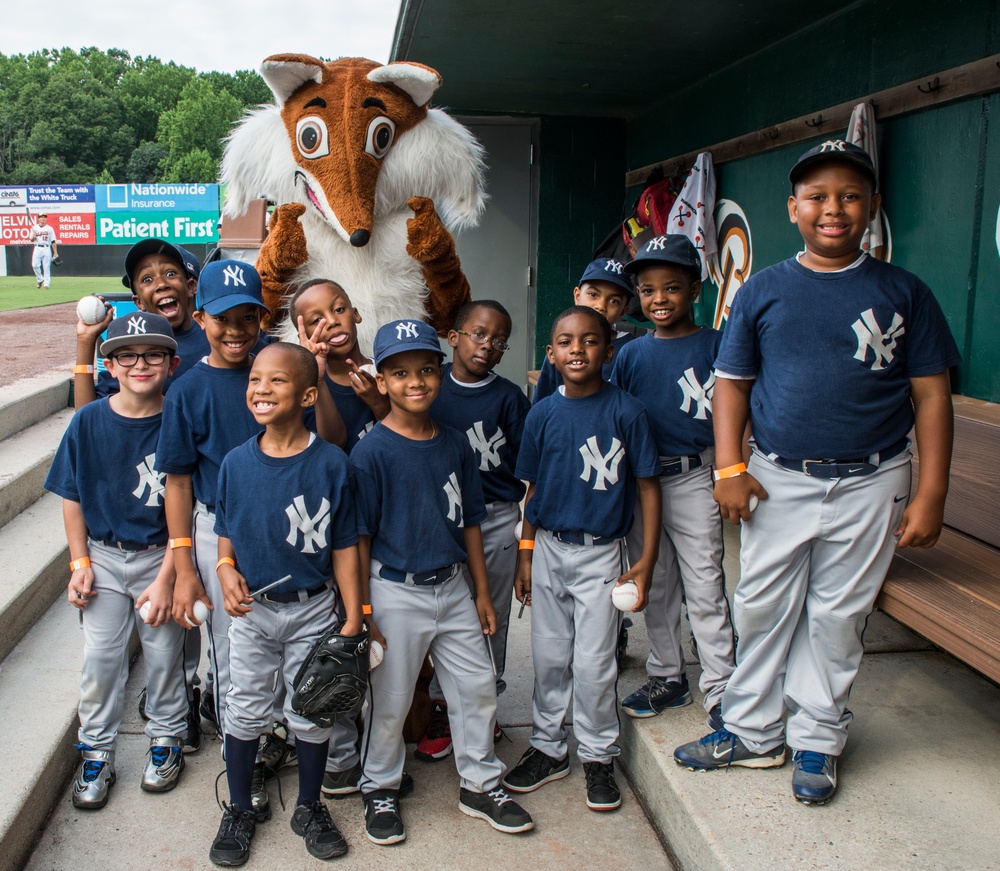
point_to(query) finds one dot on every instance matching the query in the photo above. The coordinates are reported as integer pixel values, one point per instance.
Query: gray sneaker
(723, 749)
(96, 776)
(814, 777)
(164, 765)
(337, 784)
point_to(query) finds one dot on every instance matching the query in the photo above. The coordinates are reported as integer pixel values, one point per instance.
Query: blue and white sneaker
(723, 749)
(96, 777)
(656, 695)
(814, 778)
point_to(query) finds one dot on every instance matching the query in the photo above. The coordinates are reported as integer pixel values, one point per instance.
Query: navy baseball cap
(834, 149)
(138, 328)
(158, 246)
(607, 269)
(226, 284)
(673, 248)
(396, 337)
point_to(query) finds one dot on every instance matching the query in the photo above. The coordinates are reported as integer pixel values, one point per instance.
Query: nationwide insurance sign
(113, 214)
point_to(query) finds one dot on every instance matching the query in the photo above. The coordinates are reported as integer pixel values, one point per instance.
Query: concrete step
(39, 692)
(25, 458)
(33, 572)
(30, 400)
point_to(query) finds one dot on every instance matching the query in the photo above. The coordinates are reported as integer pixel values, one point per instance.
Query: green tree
(149, 89)
(144, 165)
(196, 165)
(200, 121)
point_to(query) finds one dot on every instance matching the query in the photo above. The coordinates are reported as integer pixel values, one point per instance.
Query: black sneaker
(383, 824)
(276, 751)
(656, 695)
(231, 846)
(337, 784)
(142, 704)
(258, 793)
(534, 770)
(602, 791)
(323, 838)
(192, 737)
(715, 721)
(207, 709)
(497, 808)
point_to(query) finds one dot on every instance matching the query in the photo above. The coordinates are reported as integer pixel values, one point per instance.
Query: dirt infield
(36, 340)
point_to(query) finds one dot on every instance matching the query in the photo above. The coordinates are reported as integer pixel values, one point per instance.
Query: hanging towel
(861, 132)
(693, 212)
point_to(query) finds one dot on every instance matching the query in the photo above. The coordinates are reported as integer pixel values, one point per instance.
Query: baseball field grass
(19, 291)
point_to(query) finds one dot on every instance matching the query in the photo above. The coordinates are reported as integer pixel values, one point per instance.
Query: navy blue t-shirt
(286, 515)
(357, 416)
(492, 418)
(832, 354)
(674, 379)
(415, 498)
(583, 455)
(106, 463)
(549, 378)
(192, 345)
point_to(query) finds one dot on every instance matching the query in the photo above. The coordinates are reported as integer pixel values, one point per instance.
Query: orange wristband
(225, 561)
(729, 471)
(526, 544)
(82, 563)
(366, 610)
(83, 370)
(179, 542)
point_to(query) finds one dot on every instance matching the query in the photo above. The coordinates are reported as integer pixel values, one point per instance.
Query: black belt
(130, 546)
(417, 579)
(288, 598)
(676, 465)
(843, 468)
(584, 538)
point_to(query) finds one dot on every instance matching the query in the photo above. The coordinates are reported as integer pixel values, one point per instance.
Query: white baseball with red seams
(624, 596)
(91, 310)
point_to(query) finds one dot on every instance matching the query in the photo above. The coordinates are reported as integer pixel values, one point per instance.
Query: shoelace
(321, 817)
(499, 796)
(236, 824)
(92, 769)
(811, 762)
(385, 805)
(160, 755)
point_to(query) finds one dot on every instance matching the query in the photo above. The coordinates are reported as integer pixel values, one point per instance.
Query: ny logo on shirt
(487, 448)
(693, 391)
(603, 466)
(313, 528)
(870, 335)
(454, 495)
(234, 273)
(152, 479)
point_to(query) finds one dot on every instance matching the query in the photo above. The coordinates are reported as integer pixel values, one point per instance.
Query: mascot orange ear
(418, 81)
(286, 73)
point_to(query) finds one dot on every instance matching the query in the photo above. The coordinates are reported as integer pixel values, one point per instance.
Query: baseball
(144, 612)
(91, 310)
(624, 596)
(200, 612)
(753, 502)
(376, 653)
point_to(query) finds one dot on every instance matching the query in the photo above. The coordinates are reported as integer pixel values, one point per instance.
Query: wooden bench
(950, 593)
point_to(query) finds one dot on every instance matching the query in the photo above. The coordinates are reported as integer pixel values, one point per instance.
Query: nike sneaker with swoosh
(814, 778)
(723, 749)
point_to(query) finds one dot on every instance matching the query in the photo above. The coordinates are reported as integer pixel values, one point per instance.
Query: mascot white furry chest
(370, 184)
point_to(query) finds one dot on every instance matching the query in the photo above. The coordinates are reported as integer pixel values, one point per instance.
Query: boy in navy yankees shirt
(284, 509)
(490, 410)
(420, 506)
(833, 356)
(585, 452)
(670, 372)
(606, 288)
(117, 538)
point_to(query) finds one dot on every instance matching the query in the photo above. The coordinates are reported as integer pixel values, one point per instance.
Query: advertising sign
(158, 197)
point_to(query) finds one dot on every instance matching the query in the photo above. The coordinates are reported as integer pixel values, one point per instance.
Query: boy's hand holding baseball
(160, 595)
(376, 634)
(187, 589)
(641, 575)
(733, 496)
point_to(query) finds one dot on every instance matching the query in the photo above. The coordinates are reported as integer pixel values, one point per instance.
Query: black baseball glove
(57, 261)
(333, 679)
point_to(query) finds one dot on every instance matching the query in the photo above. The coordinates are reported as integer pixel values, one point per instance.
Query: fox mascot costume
(369, 184)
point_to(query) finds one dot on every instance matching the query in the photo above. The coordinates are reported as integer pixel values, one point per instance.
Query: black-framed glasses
(127, 359)
(480, 338)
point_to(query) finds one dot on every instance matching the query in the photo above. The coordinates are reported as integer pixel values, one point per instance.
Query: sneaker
(602, 791)
(277, 751)
(723, 749)
(497, 808)
(207, 710)
(337, 784)
(656, 695)
(436, 744)
(164, 765)
(383, 824)
(142, 704)
(323, 838)
(621, 649)
(814, 777)
(97, 774)
(192, 738)
(261, 801)
(535, 769)
(231, 846)
(715, 721)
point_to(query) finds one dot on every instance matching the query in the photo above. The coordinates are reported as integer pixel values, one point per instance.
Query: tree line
(100, 117)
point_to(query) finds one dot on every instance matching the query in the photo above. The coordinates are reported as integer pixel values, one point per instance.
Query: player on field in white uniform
(833, 356)
(46, 245)
(670, 371)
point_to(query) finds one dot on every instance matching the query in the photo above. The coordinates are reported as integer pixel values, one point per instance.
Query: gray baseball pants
(206, 554)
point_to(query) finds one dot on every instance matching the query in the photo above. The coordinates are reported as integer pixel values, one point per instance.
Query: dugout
(602, 92)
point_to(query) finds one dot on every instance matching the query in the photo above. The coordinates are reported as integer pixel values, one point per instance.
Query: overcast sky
(222, 35)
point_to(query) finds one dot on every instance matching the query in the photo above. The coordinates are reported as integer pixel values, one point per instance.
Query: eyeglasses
(481, 338)
(152, 358)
